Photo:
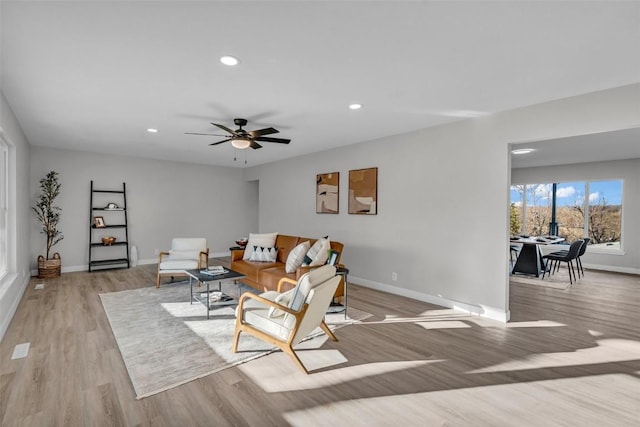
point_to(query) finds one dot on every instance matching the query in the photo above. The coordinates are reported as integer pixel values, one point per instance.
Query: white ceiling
(95, 75)
(622, 144)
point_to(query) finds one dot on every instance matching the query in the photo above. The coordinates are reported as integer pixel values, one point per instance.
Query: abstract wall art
(363, 191)
(327, 192)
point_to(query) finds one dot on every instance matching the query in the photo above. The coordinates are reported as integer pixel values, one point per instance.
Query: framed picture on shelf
(98, 221)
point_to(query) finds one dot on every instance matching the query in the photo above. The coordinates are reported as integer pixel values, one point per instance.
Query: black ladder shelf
(114, 221)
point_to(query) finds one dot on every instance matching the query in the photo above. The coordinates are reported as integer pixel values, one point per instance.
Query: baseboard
(73, 268)
(614, 269)
(5, 319)
(479, 310)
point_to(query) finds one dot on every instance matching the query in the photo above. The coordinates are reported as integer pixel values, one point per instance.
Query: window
(570, 210)
(605, 213)
(538, 209)
(4, 206)
(580, 208)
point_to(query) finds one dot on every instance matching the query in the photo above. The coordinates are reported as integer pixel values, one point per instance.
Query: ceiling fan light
(229, 60)
(240, 143)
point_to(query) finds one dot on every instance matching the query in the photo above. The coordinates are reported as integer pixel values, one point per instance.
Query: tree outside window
(583, 208)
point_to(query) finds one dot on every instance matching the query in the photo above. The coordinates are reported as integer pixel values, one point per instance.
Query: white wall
(164, 200)
(442, 222)
(443, 194)
(12, 287)
(628, 170)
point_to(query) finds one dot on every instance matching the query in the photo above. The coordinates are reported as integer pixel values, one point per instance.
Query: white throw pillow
(319, 253)
(266, 240)
(296, 256)
(263, 254)
(282, 299)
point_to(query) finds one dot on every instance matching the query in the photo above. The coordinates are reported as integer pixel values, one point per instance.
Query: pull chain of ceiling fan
(235, 156)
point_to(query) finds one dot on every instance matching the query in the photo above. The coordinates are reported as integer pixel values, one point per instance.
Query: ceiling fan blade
(220, 142)
(265, 131)
(268, 139)
(208, 134)
(223, 127)
(255, 145)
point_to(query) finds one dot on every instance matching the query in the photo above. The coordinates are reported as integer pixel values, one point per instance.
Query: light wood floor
(566, 358)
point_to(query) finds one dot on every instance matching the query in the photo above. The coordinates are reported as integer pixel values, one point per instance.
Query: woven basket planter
(49, 268)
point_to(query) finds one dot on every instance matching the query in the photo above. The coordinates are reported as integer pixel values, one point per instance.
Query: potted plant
(49, 216)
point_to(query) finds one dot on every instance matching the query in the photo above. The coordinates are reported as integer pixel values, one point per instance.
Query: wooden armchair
(185, 254)
(285, 319)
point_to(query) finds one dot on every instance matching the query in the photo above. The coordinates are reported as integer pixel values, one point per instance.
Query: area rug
(165, 341)
(556, 281)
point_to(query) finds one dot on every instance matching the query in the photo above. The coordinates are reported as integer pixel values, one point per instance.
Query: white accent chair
(271, 318)
(185, 254)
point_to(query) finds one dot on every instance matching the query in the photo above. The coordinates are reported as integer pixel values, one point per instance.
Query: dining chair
(583, 249)
(571, 254)
(513, 254)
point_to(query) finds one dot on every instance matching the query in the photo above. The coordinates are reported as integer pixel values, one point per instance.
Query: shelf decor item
(108, 240)
(48, 214)
(98, 221)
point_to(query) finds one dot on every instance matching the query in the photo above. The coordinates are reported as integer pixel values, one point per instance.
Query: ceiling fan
(242, 139)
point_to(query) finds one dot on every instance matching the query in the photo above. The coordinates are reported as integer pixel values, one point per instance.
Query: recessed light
(522, 151)
(151, 130)
(355, 106)
(229, 60)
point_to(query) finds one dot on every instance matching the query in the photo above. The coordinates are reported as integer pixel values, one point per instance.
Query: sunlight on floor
(521, 404)
(534, 324)
(426, 315)
(277, 373)
(445, 324)
(607, 351)
(449, 318)
(184, 309)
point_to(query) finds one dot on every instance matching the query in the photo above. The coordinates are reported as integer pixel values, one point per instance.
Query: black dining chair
(513, 254)
(571, 254)
(583, 249)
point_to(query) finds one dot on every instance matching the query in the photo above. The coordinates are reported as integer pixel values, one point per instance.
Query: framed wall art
(363, 191)
(327, 192)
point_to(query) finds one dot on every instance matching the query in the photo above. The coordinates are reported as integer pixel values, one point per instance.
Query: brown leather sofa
(264, 276)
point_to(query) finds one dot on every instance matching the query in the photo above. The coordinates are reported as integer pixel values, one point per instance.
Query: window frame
(4, 207)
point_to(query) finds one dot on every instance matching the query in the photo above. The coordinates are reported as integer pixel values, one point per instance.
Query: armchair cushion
(179, 264)
(196, 244)
(304, 287)
(183, 254)
(257, 313)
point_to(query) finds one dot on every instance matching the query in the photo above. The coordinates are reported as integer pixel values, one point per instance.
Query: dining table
(530, 261)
